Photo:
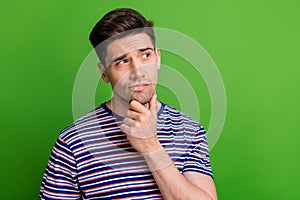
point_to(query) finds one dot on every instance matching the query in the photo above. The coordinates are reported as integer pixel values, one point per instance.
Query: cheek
(119, 80)
(153, 73)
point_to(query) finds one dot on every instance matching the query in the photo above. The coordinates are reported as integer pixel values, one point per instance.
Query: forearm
(140, 128)
(173, 185)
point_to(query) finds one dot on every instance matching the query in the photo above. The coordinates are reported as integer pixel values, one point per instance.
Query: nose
(136, 71)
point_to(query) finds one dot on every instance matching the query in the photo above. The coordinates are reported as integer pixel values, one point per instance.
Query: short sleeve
(197, 158)
(60, 177)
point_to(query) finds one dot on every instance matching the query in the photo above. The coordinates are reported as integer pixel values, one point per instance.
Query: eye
(146, 55)
(122, 62)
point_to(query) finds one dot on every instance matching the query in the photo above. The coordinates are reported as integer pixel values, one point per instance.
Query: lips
(138, 87)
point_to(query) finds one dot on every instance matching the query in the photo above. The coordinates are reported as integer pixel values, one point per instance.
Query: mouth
(138, 87)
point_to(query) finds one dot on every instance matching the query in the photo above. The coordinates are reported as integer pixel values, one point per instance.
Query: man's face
(132, 65)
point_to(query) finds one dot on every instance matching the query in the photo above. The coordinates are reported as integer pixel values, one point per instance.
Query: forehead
(127, 44)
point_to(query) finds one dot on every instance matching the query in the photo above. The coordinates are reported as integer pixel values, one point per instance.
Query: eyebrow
(124, 55)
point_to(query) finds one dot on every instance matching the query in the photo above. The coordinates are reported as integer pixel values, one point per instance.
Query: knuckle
(142, 118)
(137, 124)
(122, 128)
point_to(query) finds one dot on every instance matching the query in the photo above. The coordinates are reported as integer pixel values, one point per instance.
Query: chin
(142, 98)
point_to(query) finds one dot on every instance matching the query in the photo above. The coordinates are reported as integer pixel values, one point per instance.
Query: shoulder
(92, 120)
(169, 113)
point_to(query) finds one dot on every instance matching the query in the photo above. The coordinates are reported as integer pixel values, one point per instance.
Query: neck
(118, 106)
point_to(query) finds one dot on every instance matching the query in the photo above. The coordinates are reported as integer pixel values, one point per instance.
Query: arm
(191, 185)
(60, 177)
(140, 127)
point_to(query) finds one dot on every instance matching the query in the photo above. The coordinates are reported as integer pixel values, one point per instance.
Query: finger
(133, 115)
(137, 106)
(124, 128)
(127, 121)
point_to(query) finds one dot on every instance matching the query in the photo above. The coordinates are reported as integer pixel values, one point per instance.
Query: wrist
(151, 145)
(157, 160)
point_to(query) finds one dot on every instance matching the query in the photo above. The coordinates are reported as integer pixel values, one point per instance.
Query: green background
(255, 45)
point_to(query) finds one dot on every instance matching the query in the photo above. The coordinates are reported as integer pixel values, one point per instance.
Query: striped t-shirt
(92, 159)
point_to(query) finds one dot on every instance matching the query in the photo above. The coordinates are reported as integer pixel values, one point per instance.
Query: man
(133, 146)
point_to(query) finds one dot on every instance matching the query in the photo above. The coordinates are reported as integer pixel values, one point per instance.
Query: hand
(140, 126)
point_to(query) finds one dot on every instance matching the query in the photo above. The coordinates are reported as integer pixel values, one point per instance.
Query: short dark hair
(116, 22)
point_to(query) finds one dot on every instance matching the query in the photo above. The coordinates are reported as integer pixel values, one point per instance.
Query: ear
(157, 51)
(103, 72)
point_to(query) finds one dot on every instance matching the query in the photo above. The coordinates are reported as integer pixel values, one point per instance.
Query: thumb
(152, 105)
